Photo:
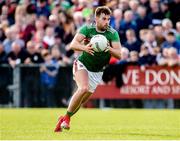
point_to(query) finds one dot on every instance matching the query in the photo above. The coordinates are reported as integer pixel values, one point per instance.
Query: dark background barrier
(21, 87)
(30, 87)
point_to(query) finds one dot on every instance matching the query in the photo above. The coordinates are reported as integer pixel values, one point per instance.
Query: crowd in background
(39, 31)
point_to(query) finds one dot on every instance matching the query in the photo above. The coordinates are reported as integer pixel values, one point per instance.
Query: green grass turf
(38, 124)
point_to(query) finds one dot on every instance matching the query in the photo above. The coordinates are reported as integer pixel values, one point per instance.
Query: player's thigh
(81, 78)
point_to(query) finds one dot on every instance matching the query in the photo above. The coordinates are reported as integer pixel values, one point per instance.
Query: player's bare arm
(77, 44)
(115, 49)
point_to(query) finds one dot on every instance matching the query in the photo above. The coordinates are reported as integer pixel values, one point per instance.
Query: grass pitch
(111, 124)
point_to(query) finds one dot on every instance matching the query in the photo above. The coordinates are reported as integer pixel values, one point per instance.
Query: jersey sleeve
(83, 30)
(115, 37)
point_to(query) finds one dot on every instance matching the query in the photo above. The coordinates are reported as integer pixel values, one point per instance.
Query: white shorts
(95, 78)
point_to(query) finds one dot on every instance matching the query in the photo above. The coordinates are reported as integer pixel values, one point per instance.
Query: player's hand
(108, 47)
(89, 49)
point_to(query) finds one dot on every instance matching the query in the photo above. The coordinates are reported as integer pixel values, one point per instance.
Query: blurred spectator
(124, 56)
(8, 41)
(158, 31)
(2, 35)
(173, 59)
(124, 5)
(165, 8)
(162, 60)
(155, 15)
(132, 44)
(178, 30)
(167, 26)
(49, 70)
(133, 58)
(171, 42)
(143, 21)
(38, 40)
(69, 26)
(116, 19)
(42, 8)
(33, 56)
(30, 28)
(17, 55)
(49, 37)
(3, 59)
(150, 41)
(175, 10)
(127, 23)
(55, 23)
(133, 5)
(145, 58)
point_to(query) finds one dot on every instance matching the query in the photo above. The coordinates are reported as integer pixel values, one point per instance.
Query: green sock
(69, 113)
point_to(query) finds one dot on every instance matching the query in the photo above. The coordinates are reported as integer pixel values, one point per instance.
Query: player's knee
(83, 89)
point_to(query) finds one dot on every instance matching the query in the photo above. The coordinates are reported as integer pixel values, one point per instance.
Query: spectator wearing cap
(171, 42)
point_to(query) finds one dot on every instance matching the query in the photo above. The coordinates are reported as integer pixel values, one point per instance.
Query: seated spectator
(143, 21)
(33, 56)
(178, 31)
(145, 58)
(134, 58)
(162, 60)
(38, 40)
(173, 59)
(155, 15)
(3, 59)
(2, 35)
(150, 41)
(171, 42)
(133, 5)
(17, 55)
(124, 56)
(158, 31)
(132, 44)
(127, 23)
(167, 26)
(116, 19)
(49, 37)
(8, 41)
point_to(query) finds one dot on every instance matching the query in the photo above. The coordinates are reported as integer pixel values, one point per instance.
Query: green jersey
(100, 59)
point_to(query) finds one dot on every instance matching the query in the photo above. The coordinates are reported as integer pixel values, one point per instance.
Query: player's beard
(103, 28)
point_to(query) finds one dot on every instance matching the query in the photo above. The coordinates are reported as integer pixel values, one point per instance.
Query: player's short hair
(102, 9)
